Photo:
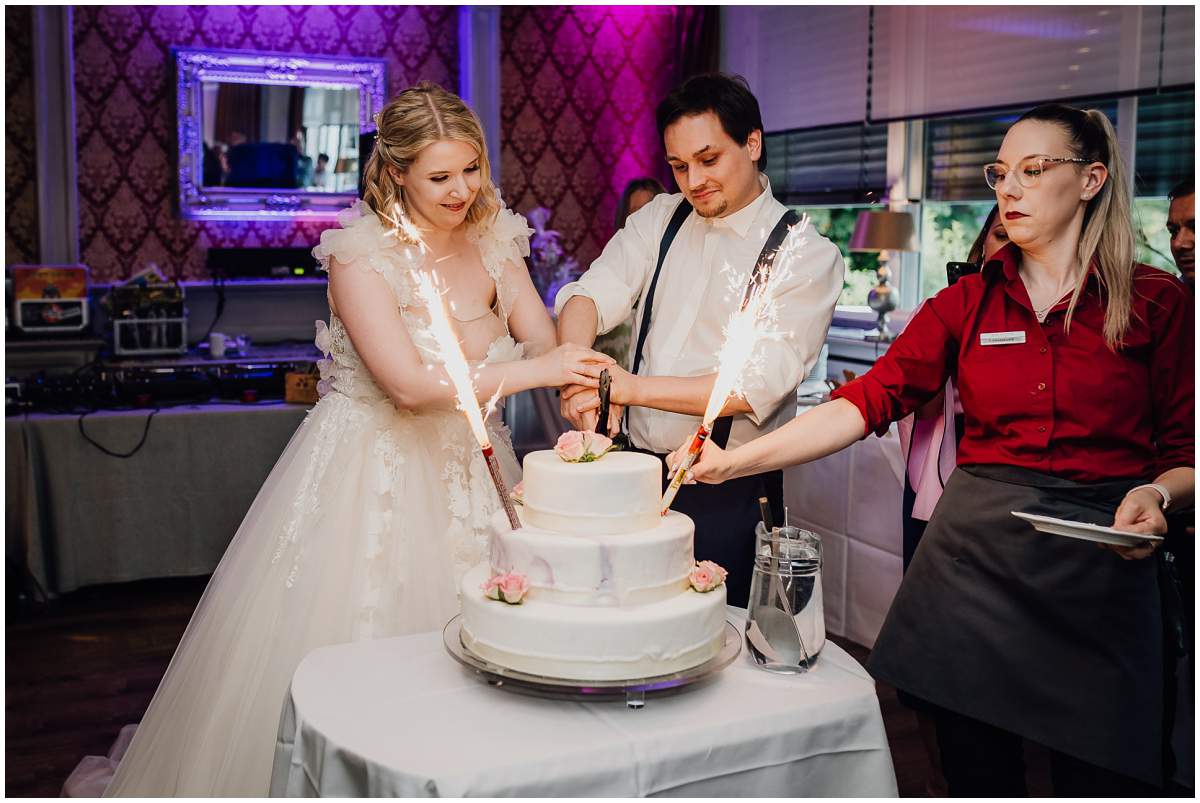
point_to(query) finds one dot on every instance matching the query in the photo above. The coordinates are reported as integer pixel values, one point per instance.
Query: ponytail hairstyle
(416, 118)
(1107, 235)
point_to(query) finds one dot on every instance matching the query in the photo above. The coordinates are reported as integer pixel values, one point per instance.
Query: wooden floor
(84, 665)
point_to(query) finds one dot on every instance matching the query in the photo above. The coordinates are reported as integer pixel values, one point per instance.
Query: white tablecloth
(854, 500)
(399, 717)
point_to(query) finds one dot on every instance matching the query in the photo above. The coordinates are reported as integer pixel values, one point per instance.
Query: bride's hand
(713, 465)
(570, 364)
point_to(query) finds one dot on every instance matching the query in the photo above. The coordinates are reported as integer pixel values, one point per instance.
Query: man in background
(1181, 223)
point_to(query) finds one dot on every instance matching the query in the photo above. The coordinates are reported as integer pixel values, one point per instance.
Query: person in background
(1076, 373)
(1181, 223)
(992, 237)
(929, 441)
(303, 162)
(1181, 538)
(320, 176)
(637, 194)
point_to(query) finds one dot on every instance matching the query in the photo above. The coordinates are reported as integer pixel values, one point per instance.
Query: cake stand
(633, 692)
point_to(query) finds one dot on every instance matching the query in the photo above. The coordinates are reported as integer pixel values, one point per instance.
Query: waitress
(1075, 369)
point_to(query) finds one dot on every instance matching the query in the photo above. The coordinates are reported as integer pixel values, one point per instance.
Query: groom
(673, 265)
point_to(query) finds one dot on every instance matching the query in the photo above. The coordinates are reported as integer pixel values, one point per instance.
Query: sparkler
(747, 326)
(457, 369)
(459, 373)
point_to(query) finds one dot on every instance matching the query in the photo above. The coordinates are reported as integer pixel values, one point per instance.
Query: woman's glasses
(1028, 171)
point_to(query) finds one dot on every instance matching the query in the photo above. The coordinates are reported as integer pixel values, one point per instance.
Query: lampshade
(884, 230)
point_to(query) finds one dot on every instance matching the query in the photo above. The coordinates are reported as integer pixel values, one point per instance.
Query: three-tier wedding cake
(596, 584)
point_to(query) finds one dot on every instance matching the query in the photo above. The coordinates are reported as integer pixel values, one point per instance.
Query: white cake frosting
(584, 569)
(609, 597)
(601, 643)
(619, 493)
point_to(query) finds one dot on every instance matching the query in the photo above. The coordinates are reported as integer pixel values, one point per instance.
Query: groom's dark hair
(727, 96)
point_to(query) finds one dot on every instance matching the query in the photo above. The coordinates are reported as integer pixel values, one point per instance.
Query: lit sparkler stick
(460, 378)
(455, 363)
(745, 328)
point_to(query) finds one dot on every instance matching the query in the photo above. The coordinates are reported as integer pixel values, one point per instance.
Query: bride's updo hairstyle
(416, 118)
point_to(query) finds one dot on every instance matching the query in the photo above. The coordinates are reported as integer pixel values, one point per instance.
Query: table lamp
(883, 231)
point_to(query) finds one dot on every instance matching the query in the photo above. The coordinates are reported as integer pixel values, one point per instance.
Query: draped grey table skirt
(75, 516)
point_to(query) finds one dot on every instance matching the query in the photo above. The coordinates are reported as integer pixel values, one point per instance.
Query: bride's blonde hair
(416, 118)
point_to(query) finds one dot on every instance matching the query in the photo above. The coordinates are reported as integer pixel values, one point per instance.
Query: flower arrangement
(511, 587)
(550, 267)
(706, 576)
(582, 447)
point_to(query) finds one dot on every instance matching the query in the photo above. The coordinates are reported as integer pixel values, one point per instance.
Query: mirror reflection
(280, 136)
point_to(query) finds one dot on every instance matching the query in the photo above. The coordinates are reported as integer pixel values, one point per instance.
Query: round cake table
(400, 718)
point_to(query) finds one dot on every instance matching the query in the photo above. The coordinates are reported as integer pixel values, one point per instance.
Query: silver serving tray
(633, 692)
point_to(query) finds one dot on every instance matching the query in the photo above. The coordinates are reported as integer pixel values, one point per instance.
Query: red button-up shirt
(1041, 398)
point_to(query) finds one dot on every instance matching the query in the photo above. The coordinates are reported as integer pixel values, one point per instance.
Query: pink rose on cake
(581, 447)
(570, 446)
(706, 576)
(518, 493)
(511, 587)
(597, 444)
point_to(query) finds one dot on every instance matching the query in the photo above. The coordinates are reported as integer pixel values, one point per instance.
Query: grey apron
(1048, 637)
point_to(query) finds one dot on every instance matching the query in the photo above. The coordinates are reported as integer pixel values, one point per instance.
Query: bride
(381, 500)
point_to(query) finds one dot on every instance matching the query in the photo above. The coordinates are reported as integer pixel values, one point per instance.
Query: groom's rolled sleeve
(805, 308)
(615, 279)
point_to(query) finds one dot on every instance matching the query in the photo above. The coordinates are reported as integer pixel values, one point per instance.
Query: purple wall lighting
(125, 114)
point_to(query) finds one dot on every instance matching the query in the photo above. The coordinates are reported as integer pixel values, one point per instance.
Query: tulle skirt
(361, 531)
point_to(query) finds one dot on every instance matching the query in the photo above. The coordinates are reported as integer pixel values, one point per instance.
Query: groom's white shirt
(701, 285)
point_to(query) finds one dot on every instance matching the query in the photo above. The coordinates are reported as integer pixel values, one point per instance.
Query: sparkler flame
(453, 359)
(402, 224)
(737, 360)
(455, 362)
(753, 321)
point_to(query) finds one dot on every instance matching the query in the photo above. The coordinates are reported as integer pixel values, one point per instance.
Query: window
(1164, 154)
(821, 172)
(837, 223)
(827, 166)
(826, 173)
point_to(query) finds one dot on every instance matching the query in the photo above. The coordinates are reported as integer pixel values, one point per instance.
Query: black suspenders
(722, 426)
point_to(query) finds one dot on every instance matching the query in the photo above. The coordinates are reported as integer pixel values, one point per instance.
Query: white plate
(1086, 532)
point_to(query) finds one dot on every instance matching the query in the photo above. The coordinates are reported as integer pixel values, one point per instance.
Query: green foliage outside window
(837, 224)
(947, 232)
(1150, 231)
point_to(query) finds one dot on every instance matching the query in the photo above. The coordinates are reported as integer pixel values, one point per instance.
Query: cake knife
(605, 392)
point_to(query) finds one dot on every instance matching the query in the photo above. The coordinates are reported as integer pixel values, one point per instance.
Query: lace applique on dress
(358, 401)
(365, 242)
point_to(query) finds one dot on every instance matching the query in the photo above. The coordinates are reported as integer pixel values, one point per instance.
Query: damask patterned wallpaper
(578, 91)
(125, 120)
(20, 143)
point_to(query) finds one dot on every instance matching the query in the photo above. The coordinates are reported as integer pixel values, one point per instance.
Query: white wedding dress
(362, 530)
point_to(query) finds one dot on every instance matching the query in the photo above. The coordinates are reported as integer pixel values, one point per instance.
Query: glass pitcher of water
(785, 623)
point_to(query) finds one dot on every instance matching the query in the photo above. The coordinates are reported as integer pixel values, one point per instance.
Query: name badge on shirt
(1000, 338)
